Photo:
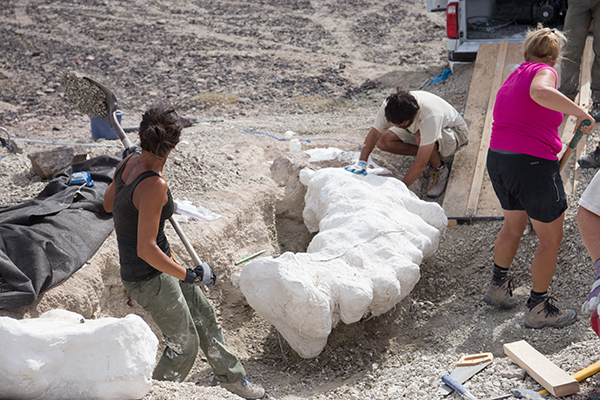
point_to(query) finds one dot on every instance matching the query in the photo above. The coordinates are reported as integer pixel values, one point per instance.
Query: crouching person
(421, 124)
(140, 201)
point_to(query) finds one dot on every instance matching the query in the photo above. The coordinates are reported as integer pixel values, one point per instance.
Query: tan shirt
(434, 115)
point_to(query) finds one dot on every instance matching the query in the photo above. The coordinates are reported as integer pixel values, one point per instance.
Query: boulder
(48, 162)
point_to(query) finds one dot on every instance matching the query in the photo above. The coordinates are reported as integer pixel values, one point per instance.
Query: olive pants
(187, 320)
(580, 15)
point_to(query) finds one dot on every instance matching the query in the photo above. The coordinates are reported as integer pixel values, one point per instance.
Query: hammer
(456, 385)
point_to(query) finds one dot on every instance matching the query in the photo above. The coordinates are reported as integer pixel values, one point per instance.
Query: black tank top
(125, 215)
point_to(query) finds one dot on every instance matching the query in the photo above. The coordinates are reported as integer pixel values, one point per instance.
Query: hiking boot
(438, 179)
(500, 294)
(242, 388)
(591, 160)
(547, 314)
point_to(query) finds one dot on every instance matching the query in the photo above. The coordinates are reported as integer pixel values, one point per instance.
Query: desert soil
(247, 72)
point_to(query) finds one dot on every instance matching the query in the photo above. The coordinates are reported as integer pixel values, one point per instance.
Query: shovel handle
(573, 144)
(185, 241)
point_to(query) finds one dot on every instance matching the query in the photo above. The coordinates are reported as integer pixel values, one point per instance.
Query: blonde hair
(544, 43)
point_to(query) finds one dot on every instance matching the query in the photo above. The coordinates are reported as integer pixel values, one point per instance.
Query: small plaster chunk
(373, 233)
(61, 355)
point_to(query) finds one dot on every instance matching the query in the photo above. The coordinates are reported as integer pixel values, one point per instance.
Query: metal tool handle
(454, 384)
(572, 144)
(120, 132)
(185, 241)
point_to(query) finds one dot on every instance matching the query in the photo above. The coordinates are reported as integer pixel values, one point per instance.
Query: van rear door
(436, 5)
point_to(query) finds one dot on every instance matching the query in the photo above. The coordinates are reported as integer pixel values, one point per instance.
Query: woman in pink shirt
(523, 166)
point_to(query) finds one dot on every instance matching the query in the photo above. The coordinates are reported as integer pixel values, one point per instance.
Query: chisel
(454, 384)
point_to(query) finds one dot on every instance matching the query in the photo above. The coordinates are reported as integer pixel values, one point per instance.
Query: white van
(472, 22)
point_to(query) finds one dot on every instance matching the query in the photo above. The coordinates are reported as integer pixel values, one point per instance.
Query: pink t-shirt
(520, 124)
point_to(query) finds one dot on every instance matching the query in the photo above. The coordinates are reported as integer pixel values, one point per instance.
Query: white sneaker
(438, 179)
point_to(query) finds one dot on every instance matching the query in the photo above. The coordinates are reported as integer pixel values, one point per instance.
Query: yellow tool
(581, 375)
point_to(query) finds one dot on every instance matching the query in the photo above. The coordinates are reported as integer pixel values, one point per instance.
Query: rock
(62, 355)
(47, 163)
(285, 171)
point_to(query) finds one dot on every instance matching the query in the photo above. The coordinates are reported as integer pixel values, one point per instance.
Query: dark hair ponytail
(160, 130)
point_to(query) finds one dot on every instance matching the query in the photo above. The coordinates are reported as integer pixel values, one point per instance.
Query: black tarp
(45, 240)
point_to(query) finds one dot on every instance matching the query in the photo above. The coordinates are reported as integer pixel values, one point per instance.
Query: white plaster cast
(373, 233)
(61, 355)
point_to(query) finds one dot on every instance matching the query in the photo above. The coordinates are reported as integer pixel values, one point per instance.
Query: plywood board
(461, 176)
(544, 371)
(469, 193)
(585, 100)
(488, 205)
(484, 143)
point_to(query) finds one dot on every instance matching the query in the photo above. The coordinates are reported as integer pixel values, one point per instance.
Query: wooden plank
(488, 205)
(544, 371)
(568, 128)
(585, 98)
(484, 143)
(461, 176)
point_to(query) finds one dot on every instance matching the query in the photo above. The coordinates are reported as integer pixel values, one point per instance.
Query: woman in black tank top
(140, 201)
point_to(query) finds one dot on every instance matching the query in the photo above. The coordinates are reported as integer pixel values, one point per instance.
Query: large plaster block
(61, 355)
(373, 233)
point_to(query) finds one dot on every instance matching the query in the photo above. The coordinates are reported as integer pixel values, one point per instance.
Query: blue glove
(202, 275)
(359, 168)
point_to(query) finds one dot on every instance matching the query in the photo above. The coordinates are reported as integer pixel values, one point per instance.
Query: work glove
(594, 297)
(359, 168)
(130, 150)
(202, 275)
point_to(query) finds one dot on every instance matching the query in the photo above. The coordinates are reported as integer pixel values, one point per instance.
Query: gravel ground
(247, 72)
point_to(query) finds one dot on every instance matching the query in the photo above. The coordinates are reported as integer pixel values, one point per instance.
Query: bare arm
(149, 197)
(109, 194)
(369, 144)
(543, 91)
(415, 170)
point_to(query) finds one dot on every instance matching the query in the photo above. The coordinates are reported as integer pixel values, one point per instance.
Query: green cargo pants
(580, 15)
(187, 320)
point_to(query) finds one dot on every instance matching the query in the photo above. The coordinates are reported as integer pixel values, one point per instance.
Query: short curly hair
(401, 107)
(160, 130)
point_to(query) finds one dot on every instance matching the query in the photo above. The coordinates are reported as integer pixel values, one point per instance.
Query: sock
(499, 274)
(536, 298)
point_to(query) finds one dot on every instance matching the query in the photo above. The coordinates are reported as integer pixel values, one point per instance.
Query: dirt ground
(247, 72)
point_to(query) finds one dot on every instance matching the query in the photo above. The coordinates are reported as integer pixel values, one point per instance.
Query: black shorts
(524, 182)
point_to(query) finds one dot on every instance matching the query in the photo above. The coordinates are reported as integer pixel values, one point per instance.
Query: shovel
(111, 112)
(110, 102)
